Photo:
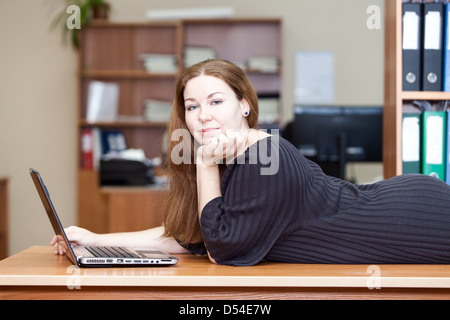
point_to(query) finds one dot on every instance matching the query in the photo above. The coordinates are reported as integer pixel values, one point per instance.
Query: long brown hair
(181, 208)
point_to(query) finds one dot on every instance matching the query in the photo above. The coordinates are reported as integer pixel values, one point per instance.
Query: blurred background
(38, 88)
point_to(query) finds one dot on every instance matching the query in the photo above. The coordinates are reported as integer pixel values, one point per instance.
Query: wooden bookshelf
(425, 95)
(110, 52)
(394, 96)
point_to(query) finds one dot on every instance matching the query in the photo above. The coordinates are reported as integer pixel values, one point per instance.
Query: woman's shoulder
(259, 138)
(267, 151)
(257, 135)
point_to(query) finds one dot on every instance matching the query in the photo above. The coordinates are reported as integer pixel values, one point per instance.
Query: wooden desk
(36, 273)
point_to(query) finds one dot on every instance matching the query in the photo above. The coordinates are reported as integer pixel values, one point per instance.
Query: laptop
(99, 256)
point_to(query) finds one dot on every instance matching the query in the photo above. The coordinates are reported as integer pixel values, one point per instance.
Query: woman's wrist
(204, 160)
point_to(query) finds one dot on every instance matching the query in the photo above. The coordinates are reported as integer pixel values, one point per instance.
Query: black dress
(293, 212)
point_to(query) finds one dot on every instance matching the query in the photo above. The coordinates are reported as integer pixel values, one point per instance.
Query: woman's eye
(190, 108)
(216, 102)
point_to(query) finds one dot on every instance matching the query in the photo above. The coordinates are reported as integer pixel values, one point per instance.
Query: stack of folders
(268, 107)
(193, 55)
(426, 46)
(426, 141)
(159, 63)
(263, 64)
(96, 142)
(157, 111)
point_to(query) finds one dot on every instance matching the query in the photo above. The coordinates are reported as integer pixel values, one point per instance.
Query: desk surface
(38, 267)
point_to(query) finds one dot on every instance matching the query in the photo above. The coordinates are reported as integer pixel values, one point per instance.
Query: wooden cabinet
(395, 99)
(113, 53)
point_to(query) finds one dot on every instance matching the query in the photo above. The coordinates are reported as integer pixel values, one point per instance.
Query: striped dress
(276, 205)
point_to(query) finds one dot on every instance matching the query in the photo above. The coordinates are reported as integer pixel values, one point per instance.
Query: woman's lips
(206, 131)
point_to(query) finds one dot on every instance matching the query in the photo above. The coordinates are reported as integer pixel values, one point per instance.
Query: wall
(38, 87)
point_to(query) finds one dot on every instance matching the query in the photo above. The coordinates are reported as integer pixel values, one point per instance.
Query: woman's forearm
(150, 238)
(208, 185)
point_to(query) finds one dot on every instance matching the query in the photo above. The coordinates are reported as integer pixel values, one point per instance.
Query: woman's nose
(204, 114)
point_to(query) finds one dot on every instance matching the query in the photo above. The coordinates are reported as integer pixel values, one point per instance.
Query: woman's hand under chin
(223, 148)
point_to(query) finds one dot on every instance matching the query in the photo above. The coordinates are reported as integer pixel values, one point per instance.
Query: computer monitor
(331, 136)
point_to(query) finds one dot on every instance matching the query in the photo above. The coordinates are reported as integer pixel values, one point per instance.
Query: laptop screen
(51, 212)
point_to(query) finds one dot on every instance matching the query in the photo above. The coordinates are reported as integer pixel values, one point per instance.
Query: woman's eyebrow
(209, 96)
(189, 99)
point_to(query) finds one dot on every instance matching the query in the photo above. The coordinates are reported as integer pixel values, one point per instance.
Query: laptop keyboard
(117, 252)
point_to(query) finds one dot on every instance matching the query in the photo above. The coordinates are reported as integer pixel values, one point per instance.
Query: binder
(113, 141)
(433, 42)
(87, 147)
(411, 142)
(434, 134)
(412, 46)
(103, 101)
(447, 166)
(446, 67)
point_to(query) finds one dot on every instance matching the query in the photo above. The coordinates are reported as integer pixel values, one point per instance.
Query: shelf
(244, 20)
(265, 73)
(142, 74)
(425, 95)
(138, 74)
(132, 24)
(133, 189)
(125, 123)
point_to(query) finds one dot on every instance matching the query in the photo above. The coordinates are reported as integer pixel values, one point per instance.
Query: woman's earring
(246, 113)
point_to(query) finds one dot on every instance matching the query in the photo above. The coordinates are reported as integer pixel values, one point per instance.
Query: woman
(243, 196)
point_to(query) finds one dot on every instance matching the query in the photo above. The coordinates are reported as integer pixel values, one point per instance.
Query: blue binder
(433, 47)
(447, 163)
(446, 67)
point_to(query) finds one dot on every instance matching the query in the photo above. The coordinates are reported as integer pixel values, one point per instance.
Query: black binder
(433, 43)
(412, 46)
